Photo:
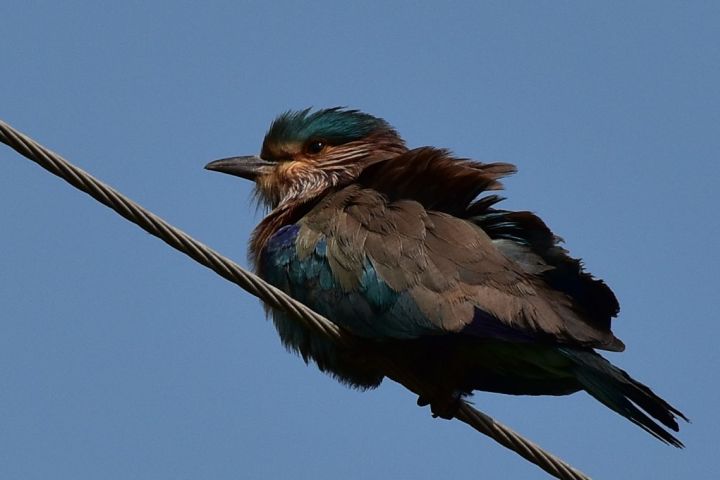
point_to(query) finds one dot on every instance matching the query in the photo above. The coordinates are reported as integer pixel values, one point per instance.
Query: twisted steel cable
(272, 296)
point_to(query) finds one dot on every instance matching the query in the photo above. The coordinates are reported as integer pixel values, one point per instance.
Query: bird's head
(306, 153)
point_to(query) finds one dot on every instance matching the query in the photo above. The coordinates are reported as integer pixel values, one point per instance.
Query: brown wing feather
(538, 250)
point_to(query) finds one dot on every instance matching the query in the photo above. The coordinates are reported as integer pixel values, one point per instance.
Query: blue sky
(120, 358)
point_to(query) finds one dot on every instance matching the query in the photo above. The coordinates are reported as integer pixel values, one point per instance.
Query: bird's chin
(263, 199)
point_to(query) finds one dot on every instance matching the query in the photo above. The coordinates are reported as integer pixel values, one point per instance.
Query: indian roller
(408, 251)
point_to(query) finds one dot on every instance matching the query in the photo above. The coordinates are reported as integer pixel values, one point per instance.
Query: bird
(408, 251)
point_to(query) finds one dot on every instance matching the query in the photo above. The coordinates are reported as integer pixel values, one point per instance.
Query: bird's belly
(466, 364)
(354, 367)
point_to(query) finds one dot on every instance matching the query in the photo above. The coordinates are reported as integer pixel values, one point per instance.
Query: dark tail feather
(618, 391)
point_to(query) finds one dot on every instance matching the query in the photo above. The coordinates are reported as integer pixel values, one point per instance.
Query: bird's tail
(628, 397)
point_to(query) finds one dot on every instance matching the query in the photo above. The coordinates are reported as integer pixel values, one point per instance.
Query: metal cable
(272, 296)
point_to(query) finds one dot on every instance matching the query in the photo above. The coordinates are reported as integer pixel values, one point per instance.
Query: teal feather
(335, 125)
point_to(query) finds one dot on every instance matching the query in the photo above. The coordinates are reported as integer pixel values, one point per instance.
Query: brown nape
(435, 179)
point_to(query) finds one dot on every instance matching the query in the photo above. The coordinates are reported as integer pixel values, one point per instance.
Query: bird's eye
(315, 146)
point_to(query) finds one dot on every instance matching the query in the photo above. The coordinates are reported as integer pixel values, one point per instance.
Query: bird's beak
(249, 167)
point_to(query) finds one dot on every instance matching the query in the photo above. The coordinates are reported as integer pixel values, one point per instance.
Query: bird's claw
(444, 407)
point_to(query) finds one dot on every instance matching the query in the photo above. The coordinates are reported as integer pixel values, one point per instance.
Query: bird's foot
(445, 406)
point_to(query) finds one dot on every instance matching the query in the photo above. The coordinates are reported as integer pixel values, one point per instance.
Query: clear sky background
(122, 359)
